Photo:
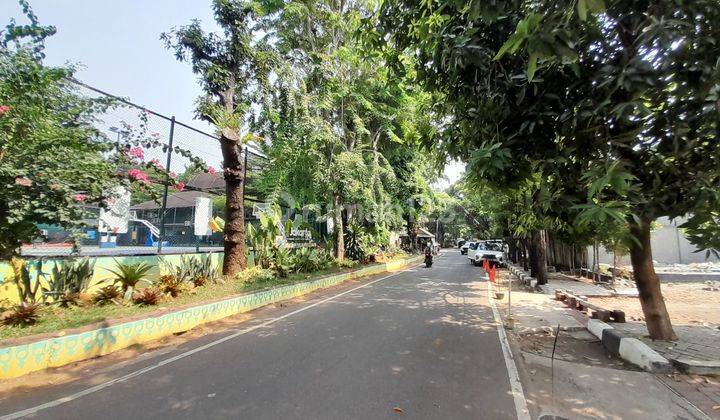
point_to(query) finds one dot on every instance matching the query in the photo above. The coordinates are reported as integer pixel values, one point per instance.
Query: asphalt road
(421, 341)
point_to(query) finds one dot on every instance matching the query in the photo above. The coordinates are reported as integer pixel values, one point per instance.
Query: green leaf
(582, 8)
(532, 66)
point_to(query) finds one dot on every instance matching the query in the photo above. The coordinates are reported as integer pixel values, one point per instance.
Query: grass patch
(55, 319)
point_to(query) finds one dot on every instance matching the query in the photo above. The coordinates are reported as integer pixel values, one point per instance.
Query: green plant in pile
(27, 291)
(129, 275)
(263, 237)
(108, 294)
(307, 259)
(197, 270)
(22, 315)
(69, 280)
(282, 261)
(147, 296)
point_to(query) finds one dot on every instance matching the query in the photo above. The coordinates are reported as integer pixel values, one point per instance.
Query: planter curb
(21, 359)
(629, 349)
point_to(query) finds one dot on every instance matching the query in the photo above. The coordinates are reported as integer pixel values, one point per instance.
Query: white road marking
(515, 385)
(99, 387)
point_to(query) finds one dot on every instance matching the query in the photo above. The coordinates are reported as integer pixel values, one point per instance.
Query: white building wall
(669, 246)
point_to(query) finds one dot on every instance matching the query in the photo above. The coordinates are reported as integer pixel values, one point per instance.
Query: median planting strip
(58, 351)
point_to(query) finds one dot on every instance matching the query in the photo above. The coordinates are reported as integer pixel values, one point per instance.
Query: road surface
(418, 344)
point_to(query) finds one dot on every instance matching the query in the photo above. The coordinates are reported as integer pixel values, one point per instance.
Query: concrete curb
(697, 367)
(523, 275)
(21, 359)
(629, 349)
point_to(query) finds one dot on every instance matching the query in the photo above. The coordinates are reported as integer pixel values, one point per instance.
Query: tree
(620, 95)
(52, 158)
(338, 117)
(233, 69)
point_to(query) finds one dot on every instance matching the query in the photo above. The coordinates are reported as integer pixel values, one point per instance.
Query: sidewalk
(588, 382)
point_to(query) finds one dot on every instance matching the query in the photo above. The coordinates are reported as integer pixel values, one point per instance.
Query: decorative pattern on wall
(19, 360)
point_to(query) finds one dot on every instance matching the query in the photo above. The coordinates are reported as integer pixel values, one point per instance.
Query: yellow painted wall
(102, 276)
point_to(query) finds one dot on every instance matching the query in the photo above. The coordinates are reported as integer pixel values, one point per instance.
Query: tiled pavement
(701, 391)
(694, 342)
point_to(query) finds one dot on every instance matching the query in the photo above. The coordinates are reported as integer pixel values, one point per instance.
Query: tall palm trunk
(234, 260)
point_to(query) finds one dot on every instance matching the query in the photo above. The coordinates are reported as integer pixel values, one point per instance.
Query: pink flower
(136, 152)
(180, 186)
(211, 170)
(25, 182)
(156, 163)
(80, 198)
(138, 175)
(4, 109)
(172, 175)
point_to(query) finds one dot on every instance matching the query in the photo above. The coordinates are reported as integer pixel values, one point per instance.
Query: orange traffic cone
(491, 274)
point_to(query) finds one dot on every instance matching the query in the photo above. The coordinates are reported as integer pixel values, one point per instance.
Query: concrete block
(618, 316)
(596, 327)
(639, 354)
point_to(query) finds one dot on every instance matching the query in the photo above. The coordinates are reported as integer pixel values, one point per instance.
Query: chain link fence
(178, 172)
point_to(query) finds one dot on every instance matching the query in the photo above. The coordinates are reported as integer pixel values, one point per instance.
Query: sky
(117, 44)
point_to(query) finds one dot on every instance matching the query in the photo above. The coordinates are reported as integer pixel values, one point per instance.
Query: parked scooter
(428, 258)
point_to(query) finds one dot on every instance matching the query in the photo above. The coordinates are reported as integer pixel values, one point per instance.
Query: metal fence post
(167, 181)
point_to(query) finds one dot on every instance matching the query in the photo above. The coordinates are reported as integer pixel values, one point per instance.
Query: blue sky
(118, 45)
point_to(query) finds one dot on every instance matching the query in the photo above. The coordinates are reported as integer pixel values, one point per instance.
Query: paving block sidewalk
(694, 342)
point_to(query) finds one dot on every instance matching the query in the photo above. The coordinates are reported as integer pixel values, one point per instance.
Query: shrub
(129, 275)
(22, 315)
(171, 285)
(307, 260)
(198, 270)
(147, 296)
(69, 281)
(27, 292)
(282, 262)
(107, 294)
(255, 275)
(346, 263)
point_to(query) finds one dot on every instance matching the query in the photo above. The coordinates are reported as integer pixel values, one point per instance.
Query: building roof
(206, 181)
(174, 200)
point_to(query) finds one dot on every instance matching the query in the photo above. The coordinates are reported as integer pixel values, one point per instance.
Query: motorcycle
(428, 259)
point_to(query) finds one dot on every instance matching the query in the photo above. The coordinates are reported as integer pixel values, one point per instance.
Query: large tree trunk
(538, 268)
(648, 284)
(234, 260)
(339, 228)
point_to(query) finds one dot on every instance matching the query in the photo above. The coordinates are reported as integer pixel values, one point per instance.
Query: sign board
(114, 219)
(203, 214)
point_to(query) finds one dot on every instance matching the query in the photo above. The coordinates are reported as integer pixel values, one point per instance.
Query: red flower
(211, 170)
(80, 198)
(25, 182)
(4, 109)
(180, 186)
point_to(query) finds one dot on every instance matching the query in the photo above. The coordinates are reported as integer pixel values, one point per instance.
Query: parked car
(471, 250)
(464, 248)
(493, 251)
